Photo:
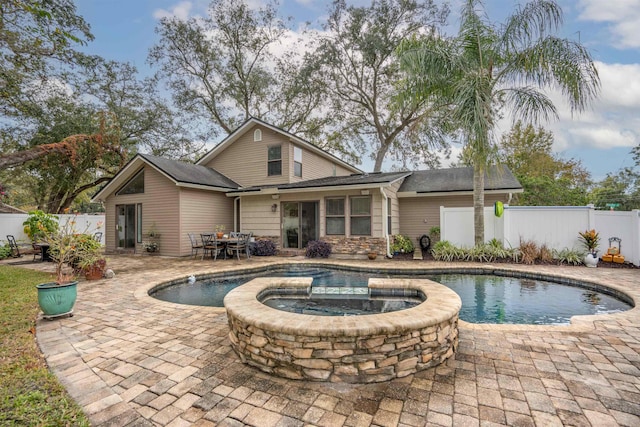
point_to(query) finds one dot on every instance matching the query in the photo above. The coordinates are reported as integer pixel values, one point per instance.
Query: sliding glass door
(299, 224)
(126, 226)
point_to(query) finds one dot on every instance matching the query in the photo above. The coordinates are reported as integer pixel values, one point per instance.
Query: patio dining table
(225, 241)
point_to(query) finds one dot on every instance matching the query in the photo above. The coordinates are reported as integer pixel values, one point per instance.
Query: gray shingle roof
(334, 181)
(458, 179)
(188, 173)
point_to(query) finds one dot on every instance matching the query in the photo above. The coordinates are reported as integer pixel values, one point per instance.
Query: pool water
(319, 306)
(485, 299)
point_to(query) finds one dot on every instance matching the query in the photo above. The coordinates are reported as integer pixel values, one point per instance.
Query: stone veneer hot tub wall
(354, 349)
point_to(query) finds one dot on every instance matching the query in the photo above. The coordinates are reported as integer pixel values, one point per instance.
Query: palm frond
(530, 23)
(556, 63)
(528, 104)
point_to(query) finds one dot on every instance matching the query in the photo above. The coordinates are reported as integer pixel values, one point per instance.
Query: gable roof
(181, 173)
(361, 180)
(456, 180)
(244, 127)
(189, 173)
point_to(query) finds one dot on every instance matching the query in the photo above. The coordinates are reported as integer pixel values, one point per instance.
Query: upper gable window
(274, 161)
(134, 186)
(297, 161)
(257, 135)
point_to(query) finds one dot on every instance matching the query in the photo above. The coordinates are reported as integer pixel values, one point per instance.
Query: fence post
(591, 218)
(635, 237)
(442, 224)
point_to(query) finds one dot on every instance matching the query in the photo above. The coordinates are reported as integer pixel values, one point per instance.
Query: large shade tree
(357, 55)
(233, 64)
(547, 179)
(496, 68)
(70, 138)
(32, 34)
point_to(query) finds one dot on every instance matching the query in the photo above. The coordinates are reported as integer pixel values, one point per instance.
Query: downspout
(385, 215)
(235, 212)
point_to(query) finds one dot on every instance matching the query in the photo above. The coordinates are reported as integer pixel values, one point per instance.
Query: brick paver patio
(129, 359)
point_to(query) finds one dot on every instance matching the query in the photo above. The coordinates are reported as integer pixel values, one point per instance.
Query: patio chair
(241, 245)
(15, 250)
(195, 245)
(212, 245)
(37, 251)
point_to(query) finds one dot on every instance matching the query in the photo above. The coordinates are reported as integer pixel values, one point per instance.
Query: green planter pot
(57, 300)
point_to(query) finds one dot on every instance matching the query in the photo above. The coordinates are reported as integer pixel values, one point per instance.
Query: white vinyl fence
(554, 226)
(12, 224)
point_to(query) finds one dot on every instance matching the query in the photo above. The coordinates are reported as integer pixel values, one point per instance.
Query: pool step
(339, 290)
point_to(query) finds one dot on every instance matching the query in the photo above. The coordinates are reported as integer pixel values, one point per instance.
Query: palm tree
(488, 68)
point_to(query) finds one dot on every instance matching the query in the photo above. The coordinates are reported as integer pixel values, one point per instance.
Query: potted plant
(88, 259)
(95, 270)
(220, 231)
(590, 239)
(39, 225)
(67, 249)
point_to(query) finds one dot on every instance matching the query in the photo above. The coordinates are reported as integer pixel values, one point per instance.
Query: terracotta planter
(93, 273)
(220, 235)
(57, 300)
(372, 255)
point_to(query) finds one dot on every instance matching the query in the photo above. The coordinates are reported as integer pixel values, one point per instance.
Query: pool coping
(578, 323)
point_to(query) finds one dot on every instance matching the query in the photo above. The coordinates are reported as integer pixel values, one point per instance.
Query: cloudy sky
(601, 138)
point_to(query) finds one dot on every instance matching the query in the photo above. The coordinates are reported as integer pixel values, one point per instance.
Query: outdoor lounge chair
(15, 250)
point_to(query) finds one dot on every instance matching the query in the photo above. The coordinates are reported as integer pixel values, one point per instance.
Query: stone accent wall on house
(354, 349)
(361, 245)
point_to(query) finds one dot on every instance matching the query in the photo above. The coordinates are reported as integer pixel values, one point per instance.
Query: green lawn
(30, 395)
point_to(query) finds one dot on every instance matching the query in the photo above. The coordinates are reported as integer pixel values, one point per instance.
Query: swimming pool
(485, 298)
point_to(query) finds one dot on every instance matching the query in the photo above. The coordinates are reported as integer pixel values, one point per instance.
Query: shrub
(5, 251)
(488, 252)
(39, 225)
(529, 251)
(545, 254)
(402, 244)
(568, 256)
(446, 251)
(318, 249)
(263, 248)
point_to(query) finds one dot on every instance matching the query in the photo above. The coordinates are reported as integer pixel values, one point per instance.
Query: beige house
(279, 187)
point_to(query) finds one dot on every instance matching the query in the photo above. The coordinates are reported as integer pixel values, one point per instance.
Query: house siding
(257, 217)
(419, 214)
(160, 208)
(245, 161)
(200, 212)
(314, 166)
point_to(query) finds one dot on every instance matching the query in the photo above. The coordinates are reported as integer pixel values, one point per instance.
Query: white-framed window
(257, 135)
(297, 161)
(360, 215)
(274, 161)
(334, 213)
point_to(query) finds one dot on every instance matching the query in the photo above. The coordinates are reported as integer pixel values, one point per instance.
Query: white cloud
(623, 17)
(612, 121)
(180, 11)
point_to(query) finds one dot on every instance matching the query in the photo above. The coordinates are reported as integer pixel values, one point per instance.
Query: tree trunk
(478, 204)
(66, 146)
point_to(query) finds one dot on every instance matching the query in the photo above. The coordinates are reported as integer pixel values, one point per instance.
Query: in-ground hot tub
(355, 349)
